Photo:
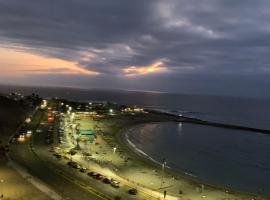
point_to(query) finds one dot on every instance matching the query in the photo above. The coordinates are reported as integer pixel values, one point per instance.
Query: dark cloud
(208, 38)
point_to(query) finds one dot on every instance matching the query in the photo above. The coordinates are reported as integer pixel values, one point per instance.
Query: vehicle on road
(133, 191)
(29, 133)
(87, 154)
(73, 164)
(83, 170)
(57, 155)
(106, 181)
(115, 183)
(99, 177)
(92, 174)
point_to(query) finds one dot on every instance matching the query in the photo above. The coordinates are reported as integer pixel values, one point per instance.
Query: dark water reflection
(230, 158)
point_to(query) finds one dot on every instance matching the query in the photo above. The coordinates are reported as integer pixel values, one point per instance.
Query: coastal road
(23, 154)
(33, 154)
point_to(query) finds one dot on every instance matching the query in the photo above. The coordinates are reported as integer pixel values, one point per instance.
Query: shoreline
(143, 158)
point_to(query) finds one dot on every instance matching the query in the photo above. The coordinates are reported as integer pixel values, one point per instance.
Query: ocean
(228, 158)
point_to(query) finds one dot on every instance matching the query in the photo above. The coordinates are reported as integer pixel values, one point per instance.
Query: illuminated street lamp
(114, 149)
(72, 116)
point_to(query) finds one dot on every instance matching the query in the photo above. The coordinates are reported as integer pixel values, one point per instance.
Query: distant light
(111, 110)
(28, 133)
(28, 120)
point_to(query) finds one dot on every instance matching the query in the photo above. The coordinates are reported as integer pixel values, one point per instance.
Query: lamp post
(88, 162)
(78, 140)
(114, 150)
(2, 188)
(162, 173)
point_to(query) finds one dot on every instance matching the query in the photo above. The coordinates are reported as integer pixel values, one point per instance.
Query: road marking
(35, 181)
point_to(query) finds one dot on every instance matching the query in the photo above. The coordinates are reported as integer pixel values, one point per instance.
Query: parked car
(87, 154)
(57, 155)
(115, 183)
(92, 174)
(83, 170)
(106, 181)
(73, 164)
(38, 130)
(133, 191)
(98, 176)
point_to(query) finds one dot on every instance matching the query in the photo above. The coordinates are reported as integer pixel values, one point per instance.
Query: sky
(180, 46)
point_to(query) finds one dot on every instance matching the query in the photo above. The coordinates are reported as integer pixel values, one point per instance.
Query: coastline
(143, 158)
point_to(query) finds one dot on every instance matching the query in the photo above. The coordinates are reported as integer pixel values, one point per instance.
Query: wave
(152, 159)
(141, 151)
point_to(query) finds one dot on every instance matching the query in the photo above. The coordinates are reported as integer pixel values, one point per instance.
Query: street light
(114, 149)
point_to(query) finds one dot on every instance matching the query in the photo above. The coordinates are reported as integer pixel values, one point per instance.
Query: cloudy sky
(182, 46)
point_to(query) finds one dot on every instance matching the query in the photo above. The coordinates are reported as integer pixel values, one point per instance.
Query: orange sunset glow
(17, 63)
(156, 67)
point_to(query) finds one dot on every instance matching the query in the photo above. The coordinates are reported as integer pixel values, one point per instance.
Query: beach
(138, 168)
